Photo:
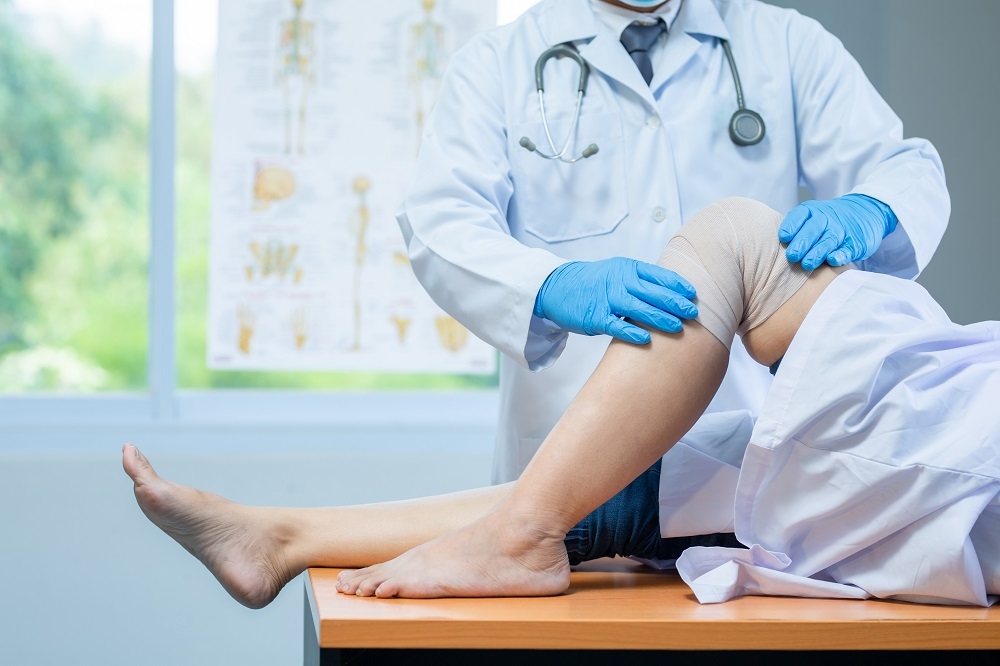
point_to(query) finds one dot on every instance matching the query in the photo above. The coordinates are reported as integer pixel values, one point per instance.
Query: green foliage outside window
(73, 221)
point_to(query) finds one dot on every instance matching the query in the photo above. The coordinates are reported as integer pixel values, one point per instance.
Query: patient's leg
(255, 551)
(636, 405)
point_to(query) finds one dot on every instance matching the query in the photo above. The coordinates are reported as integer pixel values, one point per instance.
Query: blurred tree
(39, 125)
(73, 228)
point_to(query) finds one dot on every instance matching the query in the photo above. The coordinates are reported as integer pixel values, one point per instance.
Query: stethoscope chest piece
(746, 128)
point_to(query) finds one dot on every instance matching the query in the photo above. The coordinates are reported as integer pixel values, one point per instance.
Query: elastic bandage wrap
(730, 252)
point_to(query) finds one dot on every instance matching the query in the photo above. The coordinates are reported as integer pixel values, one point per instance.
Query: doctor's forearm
(918, 196)
(481, 276)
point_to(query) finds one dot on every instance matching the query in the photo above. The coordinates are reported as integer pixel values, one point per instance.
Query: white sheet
(874, 467)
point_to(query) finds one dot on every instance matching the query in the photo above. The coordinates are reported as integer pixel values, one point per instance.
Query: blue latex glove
(589, 297)
(838, 231)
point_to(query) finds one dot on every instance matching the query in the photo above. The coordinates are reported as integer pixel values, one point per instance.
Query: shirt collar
(618, 18)
(700, 17)
(575, 20)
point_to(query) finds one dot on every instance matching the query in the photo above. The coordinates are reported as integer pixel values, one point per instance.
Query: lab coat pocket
(556, 201)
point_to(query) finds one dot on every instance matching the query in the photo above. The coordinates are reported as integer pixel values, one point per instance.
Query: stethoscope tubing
(746, 127)
(736, 73)
(560, 51)
(548, 133)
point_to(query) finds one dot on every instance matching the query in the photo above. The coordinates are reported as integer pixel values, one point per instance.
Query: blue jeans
(628, 524)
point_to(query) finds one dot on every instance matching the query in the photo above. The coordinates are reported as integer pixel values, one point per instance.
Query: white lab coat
(874, 466)
(486, 221)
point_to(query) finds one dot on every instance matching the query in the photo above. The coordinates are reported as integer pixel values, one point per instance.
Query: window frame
(162, 403)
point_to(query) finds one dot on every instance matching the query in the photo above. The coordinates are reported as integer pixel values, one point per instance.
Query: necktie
(637, 39)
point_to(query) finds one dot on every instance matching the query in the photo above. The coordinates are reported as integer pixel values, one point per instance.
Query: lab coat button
(653, 122)
(659, 214)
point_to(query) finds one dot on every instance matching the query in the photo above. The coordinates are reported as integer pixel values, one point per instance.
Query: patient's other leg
(255, 551)
(636, 405)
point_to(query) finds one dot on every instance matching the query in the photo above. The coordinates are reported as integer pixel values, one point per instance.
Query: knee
(768, 278)
(731, 253)
(733, 231)
(706, 252)
(753, 227)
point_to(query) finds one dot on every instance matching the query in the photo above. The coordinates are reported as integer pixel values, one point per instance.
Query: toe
(347, 581)
(136, 465)
(368, 586)
(387, 589)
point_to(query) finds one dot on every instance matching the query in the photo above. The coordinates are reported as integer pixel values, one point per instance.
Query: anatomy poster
(319, 110)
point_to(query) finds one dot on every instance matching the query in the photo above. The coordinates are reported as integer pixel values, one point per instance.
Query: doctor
(530, 253)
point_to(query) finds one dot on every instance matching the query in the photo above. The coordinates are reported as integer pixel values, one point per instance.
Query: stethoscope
(746, 127)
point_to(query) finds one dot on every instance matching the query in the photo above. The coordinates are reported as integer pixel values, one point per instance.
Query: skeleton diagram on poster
(319, 110)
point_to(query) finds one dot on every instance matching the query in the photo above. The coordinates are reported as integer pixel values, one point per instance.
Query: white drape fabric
(874, 466)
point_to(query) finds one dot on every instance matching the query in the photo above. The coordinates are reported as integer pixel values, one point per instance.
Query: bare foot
(492, 557)
(238, 544)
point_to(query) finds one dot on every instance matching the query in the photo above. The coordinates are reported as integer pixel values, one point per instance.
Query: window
(105, 152)
(74, 183)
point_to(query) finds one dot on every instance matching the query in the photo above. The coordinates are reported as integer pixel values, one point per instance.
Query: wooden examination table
(617, 606)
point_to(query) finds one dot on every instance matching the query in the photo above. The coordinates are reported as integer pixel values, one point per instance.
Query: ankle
(282, 535)
(527, 526)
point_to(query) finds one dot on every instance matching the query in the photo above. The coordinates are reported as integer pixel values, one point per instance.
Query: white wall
(85, 578)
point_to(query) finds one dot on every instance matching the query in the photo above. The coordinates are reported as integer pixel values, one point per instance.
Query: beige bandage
(730, 252)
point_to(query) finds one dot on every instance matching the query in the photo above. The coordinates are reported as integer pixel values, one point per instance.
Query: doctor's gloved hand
(590, 297)
(838, 231)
